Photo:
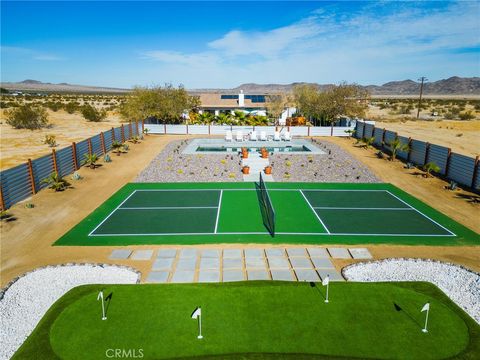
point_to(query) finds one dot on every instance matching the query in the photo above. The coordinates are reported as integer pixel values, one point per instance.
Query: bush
(71, 107)
(92, 114)
(467, 115)
(27, 117)
(54, 106)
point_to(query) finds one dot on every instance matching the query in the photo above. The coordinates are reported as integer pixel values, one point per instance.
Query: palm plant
(90, 160)
(116, 146)
(240, 117)
(205, 118)
(430, 167)
(396, 146)
(56, 182)
(368, 141)
(224, 118)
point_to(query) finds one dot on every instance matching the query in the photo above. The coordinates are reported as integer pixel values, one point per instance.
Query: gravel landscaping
(27, 299)
(461, 285)
(336, 165)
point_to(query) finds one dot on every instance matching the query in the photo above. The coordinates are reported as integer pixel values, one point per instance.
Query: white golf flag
(326, 281)
(197, 313)
(100, 295)
(426, 307)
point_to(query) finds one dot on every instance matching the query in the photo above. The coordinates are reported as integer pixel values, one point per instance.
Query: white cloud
(30, 53)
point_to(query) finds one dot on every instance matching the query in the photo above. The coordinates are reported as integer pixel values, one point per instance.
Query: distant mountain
(38, 86)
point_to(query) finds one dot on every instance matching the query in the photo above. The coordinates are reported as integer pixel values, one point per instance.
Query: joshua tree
(429, 167)
(396, 146)
(56, 182)
(90, 160)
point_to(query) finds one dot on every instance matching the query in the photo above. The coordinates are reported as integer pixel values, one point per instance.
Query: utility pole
(422, 79)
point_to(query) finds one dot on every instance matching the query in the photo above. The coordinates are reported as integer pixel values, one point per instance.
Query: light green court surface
(193, 213)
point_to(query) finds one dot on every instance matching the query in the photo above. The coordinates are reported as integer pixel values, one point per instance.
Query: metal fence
(22, 181)
(462, 169)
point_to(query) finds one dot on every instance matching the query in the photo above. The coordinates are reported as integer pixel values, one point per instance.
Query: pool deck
(192, 147)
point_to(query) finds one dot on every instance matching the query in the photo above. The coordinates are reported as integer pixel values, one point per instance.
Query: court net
(268, 212)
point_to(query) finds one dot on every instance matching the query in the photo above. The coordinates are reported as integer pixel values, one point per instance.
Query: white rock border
(26, 299)
(461, 285)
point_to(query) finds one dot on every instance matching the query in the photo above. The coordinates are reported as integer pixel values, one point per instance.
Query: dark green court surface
(193, 213)
(256, 320)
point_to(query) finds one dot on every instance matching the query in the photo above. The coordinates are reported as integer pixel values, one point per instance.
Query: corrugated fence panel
(65, 161)
(369, 130)
(118, 134)
(42, 169)
(97, 145)
(378, 135)
(461, 168)
(359, 129)
(438, 155)
(126, 131)
(15, 184)
(82, 149)
(476, 184)
(389, 137)
(108, 140)
(417, 152)
(403, 154)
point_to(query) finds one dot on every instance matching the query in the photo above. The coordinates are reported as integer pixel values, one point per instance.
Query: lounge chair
(276, 136)
(287, 136)
(263, 136)
(253, 136)
(228, 136)
(239, 135)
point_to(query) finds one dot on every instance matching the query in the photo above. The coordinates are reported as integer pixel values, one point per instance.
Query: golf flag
(326, 281)
(100, 297)
(197, 313)
(426, 307)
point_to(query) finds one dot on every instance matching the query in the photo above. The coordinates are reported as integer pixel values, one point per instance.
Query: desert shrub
(466, 115)
(27, 117)
(91, 113)
(50, 140)
(54, 106)
(71, 107)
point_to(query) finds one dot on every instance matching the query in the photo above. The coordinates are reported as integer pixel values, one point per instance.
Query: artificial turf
(256, 320)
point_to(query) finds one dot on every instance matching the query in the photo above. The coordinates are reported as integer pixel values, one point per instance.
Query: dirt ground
(26, 243)
(463, 137)
(18, 145)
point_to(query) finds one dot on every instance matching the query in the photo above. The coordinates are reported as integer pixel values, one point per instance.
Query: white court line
(167, 207)
(218, 210)
(358, 208)
(353, 190)
(421, 213)
(123, 202)
(311, 207)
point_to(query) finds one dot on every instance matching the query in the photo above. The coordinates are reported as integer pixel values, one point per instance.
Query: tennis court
(287, 213)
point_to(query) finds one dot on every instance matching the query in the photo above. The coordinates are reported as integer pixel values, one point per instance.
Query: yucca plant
(116, 146)
(90, 160)
(56, 182)
(135, 139)
(430, 167)
(396, 146)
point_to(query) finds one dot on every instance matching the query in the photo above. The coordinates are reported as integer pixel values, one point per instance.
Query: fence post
(54, 158)
(331, 129)
(89, 141)
(187, 128)
(447, 165)
(475, 171)
(122, 132)
(113, 134)
(308, 134)
(143, 126)
(30, 174)
(208, 129)
(74, 154)
(383, 135)
(409, 148)
(2, 200)
(363, 132)
(165, 129)
(427, 150)
(102, 141)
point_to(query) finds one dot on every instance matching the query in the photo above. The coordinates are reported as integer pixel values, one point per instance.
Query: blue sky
(223, 44)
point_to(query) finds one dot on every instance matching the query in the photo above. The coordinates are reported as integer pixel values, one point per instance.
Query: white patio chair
(239, 135)
(228, 135)
(263, 136)
(253, 136)
(276, 136)
(287, 136)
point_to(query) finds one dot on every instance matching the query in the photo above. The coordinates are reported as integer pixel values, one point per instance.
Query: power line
(422, 79)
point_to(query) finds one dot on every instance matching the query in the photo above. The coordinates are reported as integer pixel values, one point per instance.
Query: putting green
(257, 320)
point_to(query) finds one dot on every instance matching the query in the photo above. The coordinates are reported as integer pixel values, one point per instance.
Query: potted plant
(264, 154)
(268, 170)
(246, 170)
(244, 153)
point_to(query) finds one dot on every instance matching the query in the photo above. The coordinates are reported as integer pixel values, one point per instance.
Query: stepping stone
(296, 252)
(157, 277)
(278, 263)
(275, 252)
(233, 275)
(283, 275)
(257, 275)
(318, 252)
(254, 263)
(360, 253)
(162, 264)
(232, 253)
(188, 253)
(167, 253)
(234, 263)
(339, 253)
(183, 276)
(301, 263)
(118, 254)
(306, 275)
(253, 253)
(210, 263)
(210, 253)
(142, 255)
(186, 264)
(321, 263)
(209, 276)
(333, 274)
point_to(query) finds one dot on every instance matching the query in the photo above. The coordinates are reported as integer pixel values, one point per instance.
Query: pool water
(251, 149)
